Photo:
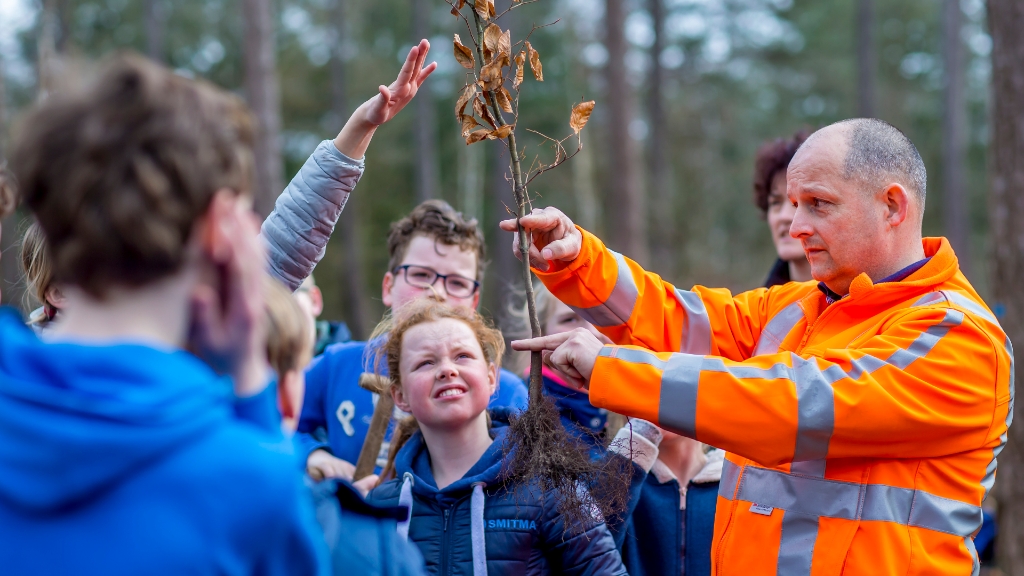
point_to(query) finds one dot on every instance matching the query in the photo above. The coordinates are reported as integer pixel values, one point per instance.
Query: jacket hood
(76, 420)
(415, 459)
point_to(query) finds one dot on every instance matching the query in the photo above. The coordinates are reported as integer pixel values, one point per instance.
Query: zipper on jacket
(445, 552)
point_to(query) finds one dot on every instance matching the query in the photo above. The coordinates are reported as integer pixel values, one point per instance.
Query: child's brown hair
(35, 263)
(438, 220)
(389, 353)
(289, 335)
(118, 172)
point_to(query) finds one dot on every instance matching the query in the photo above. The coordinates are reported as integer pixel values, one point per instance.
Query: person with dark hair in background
(770, 196)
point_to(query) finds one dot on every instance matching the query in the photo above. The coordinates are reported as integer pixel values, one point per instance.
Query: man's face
(443, 259)
(837, 221)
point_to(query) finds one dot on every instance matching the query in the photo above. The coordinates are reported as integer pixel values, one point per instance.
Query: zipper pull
(445, 520)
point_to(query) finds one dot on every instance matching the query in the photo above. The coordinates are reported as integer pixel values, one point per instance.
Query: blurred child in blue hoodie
(467, 517)
(120, 452)
(434, 253)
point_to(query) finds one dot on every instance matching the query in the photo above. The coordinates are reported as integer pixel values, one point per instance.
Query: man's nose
(799, 227)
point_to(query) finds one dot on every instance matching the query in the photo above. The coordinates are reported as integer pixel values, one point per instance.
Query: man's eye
(419, 275)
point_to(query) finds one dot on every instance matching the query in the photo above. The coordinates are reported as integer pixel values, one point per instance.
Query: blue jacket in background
(519, 533)
(335, 404)
(126, 459)
(361, 537)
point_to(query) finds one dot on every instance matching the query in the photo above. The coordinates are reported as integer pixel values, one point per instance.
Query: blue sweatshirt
(126, 459)
(335, 404)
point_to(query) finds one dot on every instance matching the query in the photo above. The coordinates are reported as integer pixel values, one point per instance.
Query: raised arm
(304, 216)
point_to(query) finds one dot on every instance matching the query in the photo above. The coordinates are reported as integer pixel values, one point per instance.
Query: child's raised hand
(354, 138)
(321, 465)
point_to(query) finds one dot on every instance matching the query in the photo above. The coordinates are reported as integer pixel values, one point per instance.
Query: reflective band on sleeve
(696, 337)
(919, 348)
(958, 298)
(633, 355)
(815, 410)
(836, 499)
(617, 309)
(730, 477)
(677, 407)
(778, 328)
(796, 546)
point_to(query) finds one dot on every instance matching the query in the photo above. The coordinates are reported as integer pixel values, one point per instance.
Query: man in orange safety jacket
(862, 414)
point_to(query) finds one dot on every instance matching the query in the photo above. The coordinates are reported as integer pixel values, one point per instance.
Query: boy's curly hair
(438, 220)
(119, 171)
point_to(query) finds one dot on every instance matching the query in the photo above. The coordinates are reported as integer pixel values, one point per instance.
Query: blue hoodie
(337, 406)
(126, 459)
(476, 526)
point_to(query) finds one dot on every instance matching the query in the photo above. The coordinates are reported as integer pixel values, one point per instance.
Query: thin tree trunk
(1006, 20)
(155, 18)
(10, 275)
(426, 134)
(352, 274)
(628, 231)
(954, 137)
(263, 92)
(867, 63)
(663, 240)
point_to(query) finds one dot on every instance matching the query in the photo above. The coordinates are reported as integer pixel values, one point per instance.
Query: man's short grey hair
(879, 154)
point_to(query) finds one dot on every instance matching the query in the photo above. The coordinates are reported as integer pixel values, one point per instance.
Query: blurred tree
(426, 132)
(155, 21)
(867, 67)
(663, 243)
(1006, 20)
(264, 97)
(954, 136)
(625, 200)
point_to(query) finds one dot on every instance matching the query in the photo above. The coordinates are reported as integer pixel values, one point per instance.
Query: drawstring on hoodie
(476, 509)
(405, 499)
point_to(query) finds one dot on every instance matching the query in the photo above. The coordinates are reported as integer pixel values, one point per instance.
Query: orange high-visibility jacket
(862, 435)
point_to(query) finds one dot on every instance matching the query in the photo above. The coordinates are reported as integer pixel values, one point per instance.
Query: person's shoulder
(386, 494)
(345, 350)
(239, 452)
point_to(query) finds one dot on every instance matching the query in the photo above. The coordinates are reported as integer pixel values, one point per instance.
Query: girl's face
(446, 380)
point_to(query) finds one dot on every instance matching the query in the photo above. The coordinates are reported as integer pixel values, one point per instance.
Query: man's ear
(897, 203)
(385, 289)
(400, 400)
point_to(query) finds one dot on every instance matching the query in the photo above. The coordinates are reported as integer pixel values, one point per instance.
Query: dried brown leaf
(500, 133)
(504, 99)
(468, 123)
(482, 8)
(520, 63)
(463, 54)
(505, 45)
(455, 12)
(538, 70)
(461, 4)
(580, 114)
(490, 75)
(490, 8)
(477, 136)
(467, 94)
(481, 110)
(492, 35)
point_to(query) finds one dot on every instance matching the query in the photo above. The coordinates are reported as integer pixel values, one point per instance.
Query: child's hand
(364, 485)
(355, 136)
(321, 465)
(227, 329)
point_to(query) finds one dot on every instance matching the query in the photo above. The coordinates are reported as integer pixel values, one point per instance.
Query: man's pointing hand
(571, 354)
(553, 235)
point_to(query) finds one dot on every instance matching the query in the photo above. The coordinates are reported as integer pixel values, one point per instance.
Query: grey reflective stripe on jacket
(304, 216)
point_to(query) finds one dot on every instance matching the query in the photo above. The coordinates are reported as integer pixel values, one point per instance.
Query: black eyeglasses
(423, 277)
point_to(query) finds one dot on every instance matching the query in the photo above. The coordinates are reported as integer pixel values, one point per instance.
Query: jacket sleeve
(932, 382)
(313, 414)
(635, 307)
(576, 552)
(304, 216)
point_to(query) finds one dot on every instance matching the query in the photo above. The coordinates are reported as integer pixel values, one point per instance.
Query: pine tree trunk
(155, 18)
(867, 64)
(1006, 20)
(351, 276)
(426, 131)
(663, 245)
(954, 137)
(626, 203)
(264, 97)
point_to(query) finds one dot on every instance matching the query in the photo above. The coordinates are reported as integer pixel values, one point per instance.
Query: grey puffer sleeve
(304, 216)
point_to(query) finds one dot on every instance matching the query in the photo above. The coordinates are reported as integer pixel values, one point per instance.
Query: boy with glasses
(434, 253)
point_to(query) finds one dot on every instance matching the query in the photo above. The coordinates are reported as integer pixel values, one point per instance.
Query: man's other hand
(571, 354)
(553, 237)
(321, 465)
